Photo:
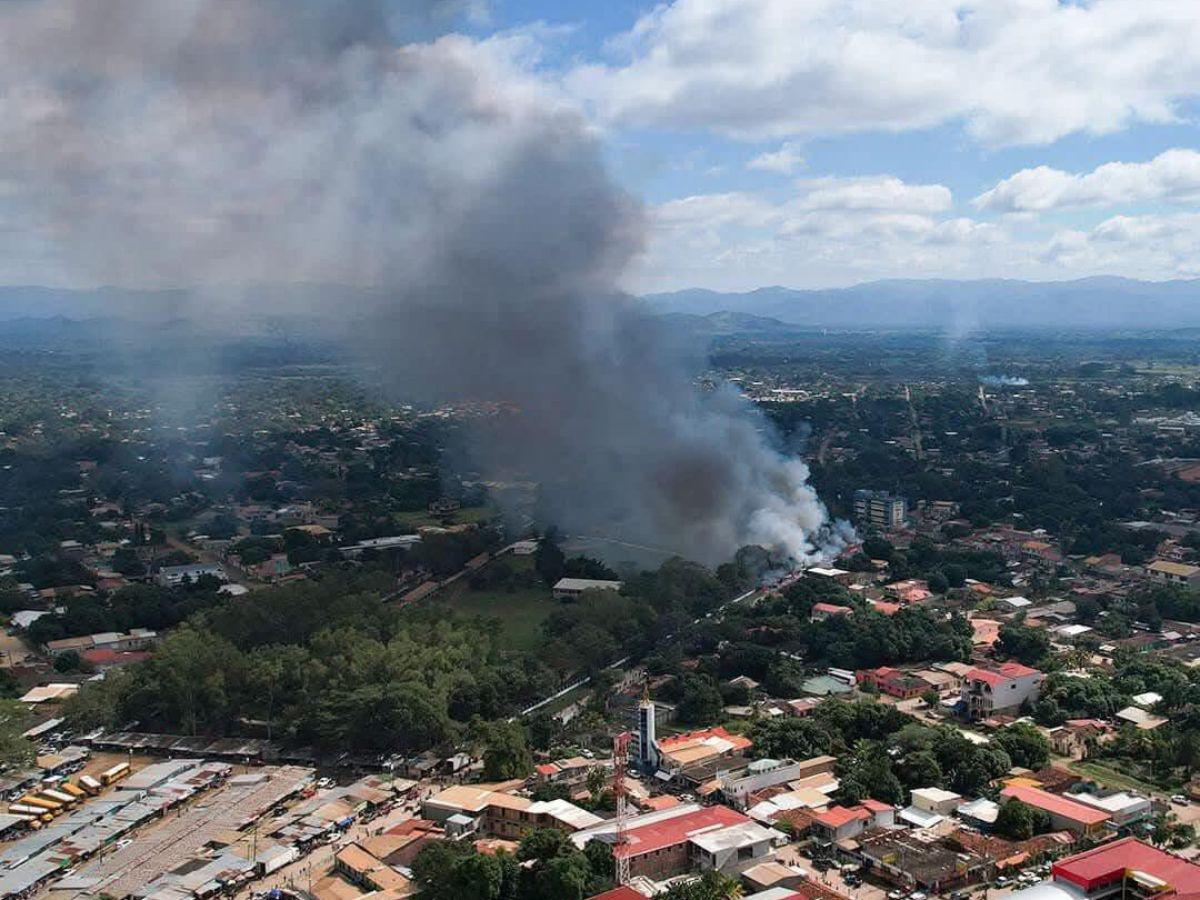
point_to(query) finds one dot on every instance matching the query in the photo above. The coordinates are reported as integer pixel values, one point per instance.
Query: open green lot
(520, 611)
(467, 516)
(1110, 777)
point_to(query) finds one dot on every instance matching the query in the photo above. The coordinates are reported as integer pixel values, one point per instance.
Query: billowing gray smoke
(225, 143)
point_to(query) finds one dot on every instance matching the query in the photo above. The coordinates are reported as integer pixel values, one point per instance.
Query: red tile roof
(995, 679)
(1052, 803)
(1016, 670)
(677, 829)
(102, 656)
(831, 608)
(876, 806)
(680, 740)
(663, 801)
(1006, 672)
(1109, 862)
(624, 892)
(415, 826)
(837, 816)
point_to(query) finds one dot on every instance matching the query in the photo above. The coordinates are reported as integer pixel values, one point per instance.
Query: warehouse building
(1065, 814)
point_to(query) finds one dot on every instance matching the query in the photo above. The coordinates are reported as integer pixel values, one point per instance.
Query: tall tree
(15, 750)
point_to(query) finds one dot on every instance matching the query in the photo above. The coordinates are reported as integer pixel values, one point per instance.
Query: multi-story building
(737, 786)
(687, 838)
(880, 509)
(1167, 572)
(893, 682)
(1004, 688)
(465, 810)
(1122, 807)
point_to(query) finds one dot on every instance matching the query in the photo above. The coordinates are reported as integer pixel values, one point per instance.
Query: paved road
(792, 856)
(13, 651)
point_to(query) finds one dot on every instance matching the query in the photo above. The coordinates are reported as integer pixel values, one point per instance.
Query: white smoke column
(220, 144)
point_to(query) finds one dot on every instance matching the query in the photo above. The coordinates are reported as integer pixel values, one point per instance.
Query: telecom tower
(621, 795)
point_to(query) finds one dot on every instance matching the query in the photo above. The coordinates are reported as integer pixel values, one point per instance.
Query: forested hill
(958, 306)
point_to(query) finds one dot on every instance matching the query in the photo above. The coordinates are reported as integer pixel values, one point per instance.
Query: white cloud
(1147, 246)
(882, 192)
(742, 240)
(785, 160)
(1013, 71)
(1171, 177)
(830, 230)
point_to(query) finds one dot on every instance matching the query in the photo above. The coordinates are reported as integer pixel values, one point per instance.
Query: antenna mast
(620, 794)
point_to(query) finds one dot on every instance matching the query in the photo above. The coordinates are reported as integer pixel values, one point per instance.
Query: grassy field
(467, 516)
(1111, 778)
(520, 612)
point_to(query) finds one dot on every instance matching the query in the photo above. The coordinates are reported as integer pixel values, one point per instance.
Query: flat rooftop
(1109, 863)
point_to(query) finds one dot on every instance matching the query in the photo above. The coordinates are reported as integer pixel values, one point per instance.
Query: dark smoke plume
(224, 143)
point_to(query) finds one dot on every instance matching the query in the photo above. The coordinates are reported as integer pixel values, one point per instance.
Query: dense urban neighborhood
(284, 649)
(622, 450)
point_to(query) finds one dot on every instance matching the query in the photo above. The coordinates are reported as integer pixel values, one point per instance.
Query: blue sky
(874, 106)
(807, 143)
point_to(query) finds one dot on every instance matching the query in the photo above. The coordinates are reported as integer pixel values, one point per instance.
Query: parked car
(1180, 800)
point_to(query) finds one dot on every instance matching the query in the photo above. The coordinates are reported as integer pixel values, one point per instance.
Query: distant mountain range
(956, 306)
(1101, 303)
(725, 322)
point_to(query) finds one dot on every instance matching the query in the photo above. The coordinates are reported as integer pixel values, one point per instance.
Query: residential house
(573, 588)
(841, 822)
(173, 576)
(1180, 574)
(1002, 689)
(893, 682)
(822, 611)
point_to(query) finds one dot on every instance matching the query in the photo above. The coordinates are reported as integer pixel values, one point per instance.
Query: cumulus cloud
(1144, 246)
(784, 161)
(1013, 71)
(873, 192)
(829, 231)
(879, 204)
(1171, 177)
